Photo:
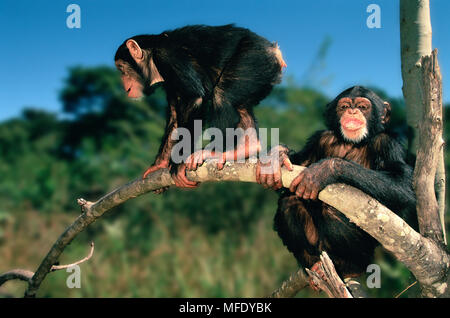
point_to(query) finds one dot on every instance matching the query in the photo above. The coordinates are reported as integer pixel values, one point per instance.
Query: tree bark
(331, 283)
(415, 43)
(430, 147)
(296, 282)
(20, 274)
(426, 259)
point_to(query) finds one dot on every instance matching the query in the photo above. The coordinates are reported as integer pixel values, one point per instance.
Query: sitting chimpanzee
(355, 150)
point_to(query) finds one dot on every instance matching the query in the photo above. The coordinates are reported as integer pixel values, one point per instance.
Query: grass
(163, 255)
(187, 262)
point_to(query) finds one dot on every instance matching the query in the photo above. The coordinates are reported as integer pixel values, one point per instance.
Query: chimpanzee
(216, 74)
(356, 149)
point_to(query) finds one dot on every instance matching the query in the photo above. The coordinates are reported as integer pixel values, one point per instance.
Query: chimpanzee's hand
(180, 179)
(313, 179)
(269, 174)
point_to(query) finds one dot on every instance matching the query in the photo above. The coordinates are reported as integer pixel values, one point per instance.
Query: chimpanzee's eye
(362, 106)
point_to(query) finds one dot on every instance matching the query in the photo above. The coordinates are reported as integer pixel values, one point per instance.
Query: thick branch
(420, 82)
(430, 147)
(424, 258)
(422, 89)
(415, 42)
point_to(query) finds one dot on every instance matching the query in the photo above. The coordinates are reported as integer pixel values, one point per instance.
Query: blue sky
(37, 47)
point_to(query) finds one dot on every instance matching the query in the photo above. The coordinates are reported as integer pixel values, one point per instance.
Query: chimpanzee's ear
(135, 50)
(386, 116)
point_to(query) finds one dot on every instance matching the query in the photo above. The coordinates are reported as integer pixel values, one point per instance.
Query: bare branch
(20, 274)
(290, 287)
(26, 275)
(331, 284)
(59, 267)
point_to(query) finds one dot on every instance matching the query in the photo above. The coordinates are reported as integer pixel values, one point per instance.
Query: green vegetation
(215, 241)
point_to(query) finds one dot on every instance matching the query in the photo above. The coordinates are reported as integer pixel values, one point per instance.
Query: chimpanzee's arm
(162, 159)
(167, 143)
(184, 91)
(390, 182)
(391, 186)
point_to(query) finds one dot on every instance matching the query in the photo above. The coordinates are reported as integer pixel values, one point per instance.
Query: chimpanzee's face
(131, 80)
(138, 70)
(354, 114)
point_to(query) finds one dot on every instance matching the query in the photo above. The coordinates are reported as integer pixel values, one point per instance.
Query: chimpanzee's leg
(247, 78)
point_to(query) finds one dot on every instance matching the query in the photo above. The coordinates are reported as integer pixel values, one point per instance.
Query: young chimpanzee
(356, 150)
(216, 74)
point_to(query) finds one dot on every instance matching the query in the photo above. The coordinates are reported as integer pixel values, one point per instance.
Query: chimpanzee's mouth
(352, 124)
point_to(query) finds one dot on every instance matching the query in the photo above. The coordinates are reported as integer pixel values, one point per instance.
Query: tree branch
(93, 210)
(290, 287)
(26, 275)
(430, 146)
(424, 258)
(21, 274)
(331, 283)
(59, 267)
(421, 87)
(415, 42)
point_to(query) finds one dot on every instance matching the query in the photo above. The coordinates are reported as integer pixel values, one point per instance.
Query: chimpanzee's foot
(161, 165)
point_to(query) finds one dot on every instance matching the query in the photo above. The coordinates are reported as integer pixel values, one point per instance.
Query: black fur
(376, 166)
(229, 67)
